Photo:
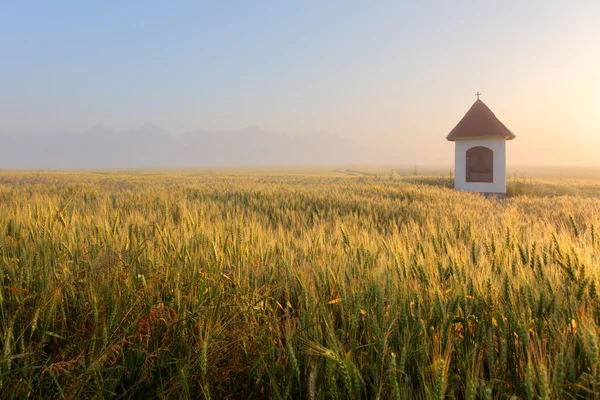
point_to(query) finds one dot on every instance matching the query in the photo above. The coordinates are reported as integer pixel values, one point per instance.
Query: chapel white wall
(498, 146)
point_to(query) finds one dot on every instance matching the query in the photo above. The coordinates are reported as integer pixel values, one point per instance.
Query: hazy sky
(394, 75)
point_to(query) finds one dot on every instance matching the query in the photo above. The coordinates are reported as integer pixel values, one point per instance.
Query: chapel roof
(480, 122)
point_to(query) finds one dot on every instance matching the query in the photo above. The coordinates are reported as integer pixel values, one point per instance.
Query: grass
(231, 284)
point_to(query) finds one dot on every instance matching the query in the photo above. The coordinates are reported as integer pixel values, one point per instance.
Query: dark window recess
(480, 164)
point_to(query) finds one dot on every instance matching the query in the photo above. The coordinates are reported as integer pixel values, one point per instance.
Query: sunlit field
(338, 284)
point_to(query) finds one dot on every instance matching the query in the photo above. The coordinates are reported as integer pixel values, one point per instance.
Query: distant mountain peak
(149, 128)
(150, 125)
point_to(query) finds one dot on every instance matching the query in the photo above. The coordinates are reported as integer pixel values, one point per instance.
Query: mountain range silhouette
(150, 146)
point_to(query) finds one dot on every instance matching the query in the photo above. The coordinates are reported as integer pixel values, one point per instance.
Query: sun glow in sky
(396, 76)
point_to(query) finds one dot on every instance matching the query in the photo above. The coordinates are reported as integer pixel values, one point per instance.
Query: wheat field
(233, 284)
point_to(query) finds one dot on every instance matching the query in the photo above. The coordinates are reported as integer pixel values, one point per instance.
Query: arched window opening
(480, 164)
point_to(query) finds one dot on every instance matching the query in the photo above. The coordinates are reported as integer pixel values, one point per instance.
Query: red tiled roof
(480, 122)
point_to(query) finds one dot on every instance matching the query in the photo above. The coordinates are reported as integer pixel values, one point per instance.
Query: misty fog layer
(152, 147)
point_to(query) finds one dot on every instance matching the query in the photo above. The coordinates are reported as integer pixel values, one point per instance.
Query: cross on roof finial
(478, 94)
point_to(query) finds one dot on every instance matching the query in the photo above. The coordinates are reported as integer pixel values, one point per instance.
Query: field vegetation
(225, 284)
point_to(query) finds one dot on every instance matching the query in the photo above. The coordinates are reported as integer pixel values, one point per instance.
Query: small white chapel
(480, 151)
